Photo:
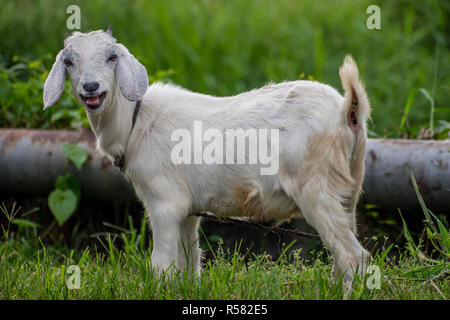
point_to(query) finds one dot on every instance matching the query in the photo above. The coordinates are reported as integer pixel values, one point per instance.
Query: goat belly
(247, 203)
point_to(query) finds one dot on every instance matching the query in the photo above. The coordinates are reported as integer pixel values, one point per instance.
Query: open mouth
(93, 102)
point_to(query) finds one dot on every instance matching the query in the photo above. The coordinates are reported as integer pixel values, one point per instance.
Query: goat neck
(113, 126)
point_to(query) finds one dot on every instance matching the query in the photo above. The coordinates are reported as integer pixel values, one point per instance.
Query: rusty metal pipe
(30, 161)
(387, 181)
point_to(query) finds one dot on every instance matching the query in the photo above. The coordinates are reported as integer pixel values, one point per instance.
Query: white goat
(322, 138)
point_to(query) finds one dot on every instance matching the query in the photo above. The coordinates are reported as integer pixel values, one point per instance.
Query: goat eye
(112, 58)
(68, 63)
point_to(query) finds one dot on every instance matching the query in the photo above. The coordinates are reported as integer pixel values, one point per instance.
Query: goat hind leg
(326, 214)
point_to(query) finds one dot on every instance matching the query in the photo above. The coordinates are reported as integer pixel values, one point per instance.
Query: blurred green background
(223, 47)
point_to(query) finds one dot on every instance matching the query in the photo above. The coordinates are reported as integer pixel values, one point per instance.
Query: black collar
(119, 160)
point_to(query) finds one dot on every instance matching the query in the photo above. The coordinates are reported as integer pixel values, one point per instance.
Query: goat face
(97, 65)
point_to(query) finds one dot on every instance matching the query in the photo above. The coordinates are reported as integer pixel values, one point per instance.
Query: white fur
(321, 159)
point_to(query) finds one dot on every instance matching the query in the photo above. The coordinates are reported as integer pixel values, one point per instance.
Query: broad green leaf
(68, 182)
(75, 154)
(62, 204)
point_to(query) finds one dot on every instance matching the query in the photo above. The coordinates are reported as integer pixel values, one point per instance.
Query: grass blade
(445, 238)
(428, 96)
(421, 201)
(413, 248)
(409, 102)
(285, 250)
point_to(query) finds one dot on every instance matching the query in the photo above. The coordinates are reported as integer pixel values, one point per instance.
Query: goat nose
(90, 86)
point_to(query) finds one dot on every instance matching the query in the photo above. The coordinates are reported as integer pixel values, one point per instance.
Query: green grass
(28, 272)
(226, 47)
(118, 266)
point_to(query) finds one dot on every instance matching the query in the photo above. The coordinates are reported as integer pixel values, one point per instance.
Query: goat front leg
(165, 225)
(167, 207)
(189, 253)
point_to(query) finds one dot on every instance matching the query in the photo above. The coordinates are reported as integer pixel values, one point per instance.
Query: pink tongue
(93, 100)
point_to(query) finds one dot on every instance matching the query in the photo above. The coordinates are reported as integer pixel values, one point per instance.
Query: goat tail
(356, 109)
(355, 113)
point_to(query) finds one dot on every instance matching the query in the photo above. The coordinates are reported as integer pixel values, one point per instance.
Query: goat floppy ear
(131, 75)
(54, 84)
